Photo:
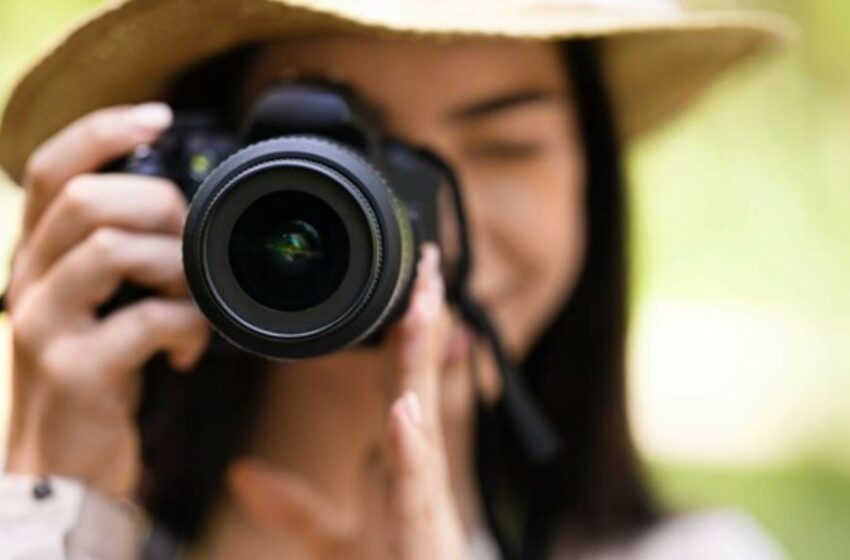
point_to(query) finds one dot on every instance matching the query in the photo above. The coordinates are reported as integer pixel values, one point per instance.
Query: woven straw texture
(657, 56)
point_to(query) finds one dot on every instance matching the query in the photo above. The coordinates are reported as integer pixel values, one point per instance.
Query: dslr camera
(305, 224)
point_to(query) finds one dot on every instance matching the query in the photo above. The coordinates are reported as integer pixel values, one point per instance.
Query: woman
(407, 450)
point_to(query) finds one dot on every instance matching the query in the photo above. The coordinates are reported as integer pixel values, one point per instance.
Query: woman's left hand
(419, 517)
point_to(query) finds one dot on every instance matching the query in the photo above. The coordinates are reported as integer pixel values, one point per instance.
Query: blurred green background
(740, 340)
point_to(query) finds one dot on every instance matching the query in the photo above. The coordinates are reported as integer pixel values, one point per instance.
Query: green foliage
(745, 201)
(745, 198)
(805, 507)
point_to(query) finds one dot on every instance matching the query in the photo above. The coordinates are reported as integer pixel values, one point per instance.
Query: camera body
(305, 225)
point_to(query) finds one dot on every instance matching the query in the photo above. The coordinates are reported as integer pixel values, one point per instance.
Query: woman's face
(501, 114)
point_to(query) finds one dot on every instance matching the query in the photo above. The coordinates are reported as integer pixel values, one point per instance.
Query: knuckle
(98, 129)
(38, 169)
(53, 362)
(75, 199)
(149, 314)
(417, 318)
(172, 204)
(15, 287)
(24, 332)
(62, 362)
(105, 244)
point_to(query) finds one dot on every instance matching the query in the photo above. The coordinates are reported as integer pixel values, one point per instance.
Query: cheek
(529, 238)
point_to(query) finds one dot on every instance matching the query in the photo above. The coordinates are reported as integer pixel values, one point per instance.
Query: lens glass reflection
(289, 251)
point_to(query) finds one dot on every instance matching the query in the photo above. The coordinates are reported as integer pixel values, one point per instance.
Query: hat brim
(656, 61)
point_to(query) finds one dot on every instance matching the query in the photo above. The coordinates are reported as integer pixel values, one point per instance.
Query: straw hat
(657, 55)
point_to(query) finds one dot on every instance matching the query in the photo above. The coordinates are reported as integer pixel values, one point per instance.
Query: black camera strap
(515, 412)
(515, 407)
(539, 441)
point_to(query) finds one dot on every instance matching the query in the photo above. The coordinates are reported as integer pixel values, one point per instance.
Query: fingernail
(430, 258)
(156, 116)
(413, 408)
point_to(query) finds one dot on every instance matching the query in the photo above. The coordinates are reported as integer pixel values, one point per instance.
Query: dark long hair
(192, 426)
(593, 492)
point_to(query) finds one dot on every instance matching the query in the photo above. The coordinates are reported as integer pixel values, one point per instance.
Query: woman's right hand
(76, 376)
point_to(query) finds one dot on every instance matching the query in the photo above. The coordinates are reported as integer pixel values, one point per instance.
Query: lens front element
(289, 251)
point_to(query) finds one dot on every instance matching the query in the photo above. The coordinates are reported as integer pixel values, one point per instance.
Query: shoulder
(707, 535)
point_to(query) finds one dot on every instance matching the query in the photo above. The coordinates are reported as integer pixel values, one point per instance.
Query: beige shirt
(71, 522)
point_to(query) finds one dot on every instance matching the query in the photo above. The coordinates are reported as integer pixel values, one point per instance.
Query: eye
(504, 150)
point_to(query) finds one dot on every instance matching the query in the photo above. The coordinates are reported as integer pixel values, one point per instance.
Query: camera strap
(514, 411)
(522, 535)
(537, 438)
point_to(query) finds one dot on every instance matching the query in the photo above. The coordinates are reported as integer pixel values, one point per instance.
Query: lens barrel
(296, 247)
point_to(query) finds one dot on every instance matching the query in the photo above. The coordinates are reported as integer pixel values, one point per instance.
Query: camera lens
(296, 247)
(289, 251)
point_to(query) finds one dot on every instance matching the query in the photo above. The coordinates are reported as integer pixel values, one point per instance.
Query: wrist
(112, 469)
(48, 438)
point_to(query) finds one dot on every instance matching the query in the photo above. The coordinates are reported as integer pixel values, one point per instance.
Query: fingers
(410, 484)
(285, 503)
(91, 271)
(417, 342)
(91, 201)
(127, 338)
(421, 502)
(81, 239)
(405, 438)
(85, 146)
(103, 354)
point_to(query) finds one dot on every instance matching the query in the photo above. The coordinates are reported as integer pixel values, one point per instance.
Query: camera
(305, 223)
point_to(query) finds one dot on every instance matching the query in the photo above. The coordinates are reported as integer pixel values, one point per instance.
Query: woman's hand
(418, 518)
(75, 378)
